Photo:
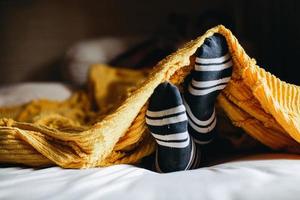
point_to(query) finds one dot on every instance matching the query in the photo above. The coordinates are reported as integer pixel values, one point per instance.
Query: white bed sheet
(256, 179)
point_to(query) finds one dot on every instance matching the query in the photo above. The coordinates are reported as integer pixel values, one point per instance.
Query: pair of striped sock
(181, 123)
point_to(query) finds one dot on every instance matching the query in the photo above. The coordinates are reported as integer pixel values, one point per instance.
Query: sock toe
(213, 47)
(165, 96)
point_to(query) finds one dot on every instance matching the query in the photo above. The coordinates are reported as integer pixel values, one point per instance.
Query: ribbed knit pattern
(70, 134)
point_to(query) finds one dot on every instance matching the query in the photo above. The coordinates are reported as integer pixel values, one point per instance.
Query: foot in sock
(212, 72)
(167, 121)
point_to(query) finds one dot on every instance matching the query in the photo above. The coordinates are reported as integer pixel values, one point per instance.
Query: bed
(263, 176)
(255, 176)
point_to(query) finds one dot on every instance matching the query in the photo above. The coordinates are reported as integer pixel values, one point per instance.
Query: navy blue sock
(167, 121)
(212, 72)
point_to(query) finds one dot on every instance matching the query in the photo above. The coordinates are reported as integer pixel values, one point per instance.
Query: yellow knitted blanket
(105, 125)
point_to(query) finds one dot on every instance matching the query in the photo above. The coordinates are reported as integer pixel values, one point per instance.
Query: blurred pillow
(16, 94)
(79, 57)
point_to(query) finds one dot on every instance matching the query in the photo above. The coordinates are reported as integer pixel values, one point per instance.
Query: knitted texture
(72, 134)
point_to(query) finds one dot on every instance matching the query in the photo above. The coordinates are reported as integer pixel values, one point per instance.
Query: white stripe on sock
(196, 120)
(169, 111)
(202, 142)
(203, 84)
(197, 160)
(212, 60)
(216, 67)
(176, 136)
(192, 156)
(169, 120)
(205, 129)
(201, 92)
(174, 144)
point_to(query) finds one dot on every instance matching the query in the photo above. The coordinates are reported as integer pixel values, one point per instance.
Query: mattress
(254, 179)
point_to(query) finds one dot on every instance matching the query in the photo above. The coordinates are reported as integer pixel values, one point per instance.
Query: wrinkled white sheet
(256, 179)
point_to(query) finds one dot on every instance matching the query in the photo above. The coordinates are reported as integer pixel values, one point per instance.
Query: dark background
(34, 34)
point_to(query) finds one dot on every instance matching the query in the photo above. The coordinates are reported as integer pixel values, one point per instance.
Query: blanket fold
(106, 125)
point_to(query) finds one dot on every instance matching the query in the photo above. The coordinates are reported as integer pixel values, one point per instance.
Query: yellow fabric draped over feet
(106, 124)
